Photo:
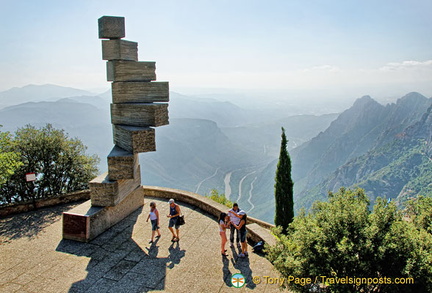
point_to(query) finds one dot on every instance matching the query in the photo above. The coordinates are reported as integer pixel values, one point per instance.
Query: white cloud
(323, 68)
(407, 65)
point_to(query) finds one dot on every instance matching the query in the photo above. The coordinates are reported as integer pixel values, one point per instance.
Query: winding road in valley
(241, 183)
(250, 195)
(199, 184)
(227, 182)
(228, 189)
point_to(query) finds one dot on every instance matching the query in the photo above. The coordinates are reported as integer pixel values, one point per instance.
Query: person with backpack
(173, 216)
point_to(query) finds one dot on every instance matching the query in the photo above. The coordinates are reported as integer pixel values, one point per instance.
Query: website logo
(238, 280)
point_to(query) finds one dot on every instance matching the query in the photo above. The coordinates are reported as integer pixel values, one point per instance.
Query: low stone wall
(257, 230)
(16, 208)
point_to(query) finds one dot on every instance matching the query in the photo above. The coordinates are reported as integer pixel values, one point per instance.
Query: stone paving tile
(101, 286)
(121, 259)
(135, 255)
(120, 270)
(11, 287)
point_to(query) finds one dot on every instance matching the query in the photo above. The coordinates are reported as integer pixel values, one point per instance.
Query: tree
(9, 159)
(60, 164)
(284, 196)
(419, 210)
(342, 238)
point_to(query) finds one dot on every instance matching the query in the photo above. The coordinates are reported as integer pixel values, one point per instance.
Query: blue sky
(339, 48)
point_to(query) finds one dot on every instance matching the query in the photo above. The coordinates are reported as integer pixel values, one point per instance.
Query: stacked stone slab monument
(138, 105)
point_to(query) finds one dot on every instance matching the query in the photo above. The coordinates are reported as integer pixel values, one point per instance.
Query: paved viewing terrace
(34, 258)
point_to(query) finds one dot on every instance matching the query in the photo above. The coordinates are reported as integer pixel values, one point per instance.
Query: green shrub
(342, 239)
(220, 198)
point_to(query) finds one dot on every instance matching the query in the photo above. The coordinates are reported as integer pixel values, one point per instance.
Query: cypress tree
(284, 195)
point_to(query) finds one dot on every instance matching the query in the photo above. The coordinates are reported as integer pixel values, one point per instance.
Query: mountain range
(209, 143)
(213, 143)
(38, 93)
(379, 148)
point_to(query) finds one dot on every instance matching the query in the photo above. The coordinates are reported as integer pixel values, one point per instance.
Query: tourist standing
(154, 219)
(242, 229)
(223, 224)
(234, 219)
(173, 216)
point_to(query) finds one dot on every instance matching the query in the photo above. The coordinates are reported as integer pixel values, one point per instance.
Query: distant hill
(229, 115)
(365, 125)
(265, 137)
(209, 144)
(85, 121)
(214, 144)
(188, 152)
(197, 155)
(223, 113)
(37, 93)
(400, 169)
(367, 146)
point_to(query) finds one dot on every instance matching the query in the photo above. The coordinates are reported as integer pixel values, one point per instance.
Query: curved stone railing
(22, 207)
(257, 230)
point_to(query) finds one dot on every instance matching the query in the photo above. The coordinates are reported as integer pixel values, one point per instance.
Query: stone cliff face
(423, 128)
(335, 145)
(382, 150)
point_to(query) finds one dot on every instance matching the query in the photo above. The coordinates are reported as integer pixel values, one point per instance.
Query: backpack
(258, 248)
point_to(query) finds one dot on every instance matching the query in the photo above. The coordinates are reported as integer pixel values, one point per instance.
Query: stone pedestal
(85, 222)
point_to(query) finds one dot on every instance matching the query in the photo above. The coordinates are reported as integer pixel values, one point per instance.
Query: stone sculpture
(139, 104)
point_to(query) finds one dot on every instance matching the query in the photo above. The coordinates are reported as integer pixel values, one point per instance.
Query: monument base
(85, 222)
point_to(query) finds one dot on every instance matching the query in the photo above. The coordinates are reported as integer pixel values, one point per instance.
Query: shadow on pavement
(118, 264)
(240, 263)
(243, 265)
(30, 224)
(226, 273)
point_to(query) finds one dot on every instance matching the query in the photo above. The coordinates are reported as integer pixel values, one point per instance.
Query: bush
(220, 198)
(343, 239)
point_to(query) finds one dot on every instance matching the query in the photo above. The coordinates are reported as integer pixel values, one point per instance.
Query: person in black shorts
(242, 229)
(173, 215)
(154, 218)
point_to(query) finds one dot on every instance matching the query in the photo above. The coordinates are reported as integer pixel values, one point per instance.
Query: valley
(212, 143)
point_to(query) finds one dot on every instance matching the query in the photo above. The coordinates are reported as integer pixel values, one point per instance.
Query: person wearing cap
(242, 229)
(235, 219)
(173, 216)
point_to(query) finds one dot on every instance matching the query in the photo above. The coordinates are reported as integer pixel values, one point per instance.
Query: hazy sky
(345, 47)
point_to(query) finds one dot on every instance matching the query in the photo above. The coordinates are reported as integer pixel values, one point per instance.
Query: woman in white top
(154, 218)
(223, 224)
